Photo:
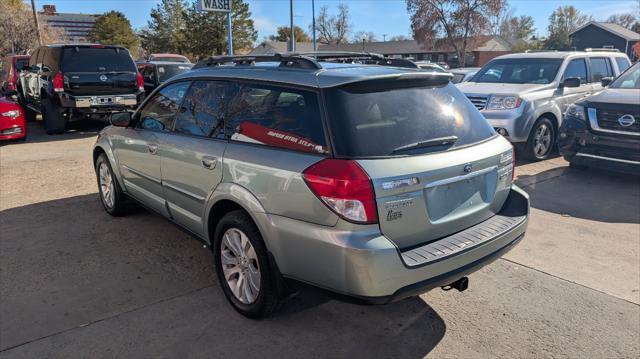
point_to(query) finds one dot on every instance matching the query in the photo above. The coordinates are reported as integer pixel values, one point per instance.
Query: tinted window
(20, 64)
(377, 119)
(158, 113)
(519, 71)
(628, 80)
(576, 68)
(91, 59)
(275, 116)
(600, 67)
(623, 63)
(202, 109)
(166, 72)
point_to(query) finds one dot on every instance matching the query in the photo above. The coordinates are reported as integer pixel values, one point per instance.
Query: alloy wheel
(542, 140)
(106, 185)
(240, 265)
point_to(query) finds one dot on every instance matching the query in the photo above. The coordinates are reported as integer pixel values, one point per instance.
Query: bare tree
(333, 29)
(497, 18)
(517, 28)
(19, 32)
(624, 20)
(458, 22)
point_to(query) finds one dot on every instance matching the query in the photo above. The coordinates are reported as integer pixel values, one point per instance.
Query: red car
(10, 71)
(12, 122)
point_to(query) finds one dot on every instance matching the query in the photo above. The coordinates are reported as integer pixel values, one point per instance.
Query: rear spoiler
(436, 79)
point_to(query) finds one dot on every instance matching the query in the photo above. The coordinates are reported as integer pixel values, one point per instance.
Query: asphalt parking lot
(75, 282)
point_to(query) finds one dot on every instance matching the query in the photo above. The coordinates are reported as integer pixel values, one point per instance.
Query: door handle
(153, 148)
(209, 162)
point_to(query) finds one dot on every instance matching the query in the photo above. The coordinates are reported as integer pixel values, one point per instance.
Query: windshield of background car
(90, 59)
(628, 80)
(376, 118)
(519, 71)
(166, 72)
(20, 64)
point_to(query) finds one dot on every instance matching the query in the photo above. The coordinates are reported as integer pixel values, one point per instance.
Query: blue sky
(388, 17)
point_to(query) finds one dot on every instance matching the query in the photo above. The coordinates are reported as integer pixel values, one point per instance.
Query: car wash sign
(214, 5)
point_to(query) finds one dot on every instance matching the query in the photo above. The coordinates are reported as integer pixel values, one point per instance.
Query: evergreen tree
(284, 34)
(165, 32)
(113, 28)
(561, 23)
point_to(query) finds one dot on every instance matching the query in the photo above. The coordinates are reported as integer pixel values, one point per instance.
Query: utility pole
(35, 19)
(292, 47)
(384, 37)
(313, 24)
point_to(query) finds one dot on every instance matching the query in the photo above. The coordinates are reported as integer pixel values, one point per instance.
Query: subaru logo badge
(468, 167)
(626, 120)
(103, 78)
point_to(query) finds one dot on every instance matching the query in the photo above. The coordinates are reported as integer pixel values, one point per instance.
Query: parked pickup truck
(71, 82)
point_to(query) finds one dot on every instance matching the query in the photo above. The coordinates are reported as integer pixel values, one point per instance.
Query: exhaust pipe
(461, 285)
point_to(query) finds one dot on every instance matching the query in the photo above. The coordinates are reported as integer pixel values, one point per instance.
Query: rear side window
(275, 116)
(394, 117)
(576, 68)
(202, 109)
(95, 59)
(623, 64)
(158, 112)
(600, 67)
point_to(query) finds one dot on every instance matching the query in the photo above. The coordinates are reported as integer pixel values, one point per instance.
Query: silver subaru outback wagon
(374, 182)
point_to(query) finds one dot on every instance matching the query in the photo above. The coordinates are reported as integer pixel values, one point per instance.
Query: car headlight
(504, 102)
(576, 111)
(11, 114)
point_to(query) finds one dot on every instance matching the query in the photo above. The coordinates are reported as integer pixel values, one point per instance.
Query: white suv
(524, 96)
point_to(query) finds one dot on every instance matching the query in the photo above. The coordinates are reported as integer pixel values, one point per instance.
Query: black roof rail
(292, 61)
(370, 58)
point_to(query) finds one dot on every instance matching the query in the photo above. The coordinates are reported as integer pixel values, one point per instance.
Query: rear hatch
(436, 165)
(98, 70)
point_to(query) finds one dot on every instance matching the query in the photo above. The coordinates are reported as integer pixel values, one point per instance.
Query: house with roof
(605, 35)
(479, 52)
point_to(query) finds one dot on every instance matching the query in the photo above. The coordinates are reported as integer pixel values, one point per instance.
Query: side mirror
(120, 119)
(605, 81)
(570, 82)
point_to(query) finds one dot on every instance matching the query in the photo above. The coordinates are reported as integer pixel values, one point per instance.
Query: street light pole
(292, 47)
(313, 24)
(35, 19)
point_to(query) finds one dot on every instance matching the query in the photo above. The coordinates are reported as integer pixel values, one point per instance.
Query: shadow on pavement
(79, 129)
(80, 283)
(590, 194)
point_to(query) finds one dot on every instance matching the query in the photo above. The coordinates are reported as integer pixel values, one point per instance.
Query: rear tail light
(345, 188)
(140, 82)
(58, 82)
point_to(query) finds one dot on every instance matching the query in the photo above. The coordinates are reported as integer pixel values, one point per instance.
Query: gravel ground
(75, 282)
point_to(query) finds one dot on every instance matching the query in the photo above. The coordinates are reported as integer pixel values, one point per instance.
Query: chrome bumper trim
(593, 121)
(619, 160)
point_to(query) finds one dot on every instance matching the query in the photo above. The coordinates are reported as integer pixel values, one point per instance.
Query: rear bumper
(367, 266)
(613, 152)
(100, 103)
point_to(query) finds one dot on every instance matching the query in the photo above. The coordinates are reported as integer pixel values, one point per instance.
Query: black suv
(71, 82)
(604, 129)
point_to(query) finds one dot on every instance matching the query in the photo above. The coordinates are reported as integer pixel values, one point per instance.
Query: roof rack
(601, 49)
(533, 51)
(368, 58)
(293, 61)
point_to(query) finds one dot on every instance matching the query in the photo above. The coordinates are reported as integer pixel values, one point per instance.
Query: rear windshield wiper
(441, 141)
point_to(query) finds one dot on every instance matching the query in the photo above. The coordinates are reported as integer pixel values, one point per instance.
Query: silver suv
(375, 182)
(524, 96)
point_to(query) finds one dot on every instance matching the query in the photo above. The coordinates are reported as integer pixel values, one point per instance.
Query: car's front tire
(54, 121)
(112, 197)
(542, 140)
(244, 271)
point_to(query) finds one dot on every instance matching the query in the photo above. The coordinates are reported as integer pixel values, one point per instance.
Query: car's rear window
(379, 119)
(20, 64)
(166, 72)
(90, 59)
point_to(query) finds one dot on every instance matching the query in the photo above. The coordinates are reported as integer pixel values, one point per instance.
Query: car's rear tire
(542, 140)
(54, 121)
(247, 277)
(112, 197)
